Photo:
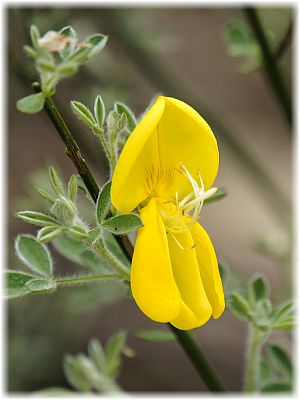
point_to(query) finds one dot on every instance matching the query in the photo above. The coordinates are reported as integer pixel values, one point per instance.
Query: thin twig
(285, 42)
(272, 69)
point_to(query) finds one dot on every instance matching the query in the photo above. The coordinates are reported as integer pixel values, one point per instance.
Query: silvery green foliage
(256, 308)
(97, 371)
(93, 248)
(57, 55)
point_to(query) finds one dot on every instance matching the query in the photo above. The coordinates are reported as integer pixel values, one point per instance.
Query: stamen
(187, 211)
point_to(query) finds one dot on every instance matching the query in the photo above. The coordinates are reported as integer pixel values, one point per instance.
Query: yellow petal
(185, 137)
(209, 270)
(152, 282)
(139, 155)
(196, 309)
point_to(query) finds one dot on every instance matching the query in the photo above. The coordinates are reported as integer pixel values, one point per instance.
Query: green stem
(255, 342)
(100, 247)
(272, 69)
(285, 42)
(198, 359)
(188, 344)
(72, 148)
(75, 280)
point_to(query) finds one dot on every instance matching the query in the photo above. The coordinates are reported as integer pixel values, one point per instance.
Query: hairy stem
(100, 247)
(187, 342)
(272, 69)
(75, 280)
(255, 341)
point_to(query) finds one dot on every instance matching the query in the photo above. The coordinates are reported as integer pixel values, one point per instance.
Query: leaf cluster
(57, 55)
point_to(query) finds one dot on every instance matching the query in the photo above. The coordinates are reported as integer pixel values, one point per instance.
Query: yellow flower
(166, 168)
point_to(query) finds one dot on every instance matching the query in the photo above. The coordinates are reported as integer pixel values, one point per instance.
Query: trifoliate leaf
(103, 202)
(31, 104)
(34, 254)
(122, 224)
(15, 283)
(37, 218)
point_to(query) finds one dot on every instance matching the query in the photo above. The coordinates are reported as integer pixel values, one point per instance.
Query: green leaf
(113, 350)
(69, 248)
(280, 359)
(103, 203)
(37, 218)
(283, 310)
(31, 104)
(15, 284)
(69, 49)
(131, 120)
(239, 306)
(83, 113)
(73, 373)
(98, 41)
(220, 194)
(78, 232)
(97, 354)
(56, 182)
(72, 188)
(35, 35)
(49, 233)
(284, 325)
(99, 111)
(67, 69)
(259, 289)
(122, 224)
(155, 336)
(265, 372)
(277, 387)
(34, 254)
(46, 195)
(45, 65)
(29, 51)
(41, 286)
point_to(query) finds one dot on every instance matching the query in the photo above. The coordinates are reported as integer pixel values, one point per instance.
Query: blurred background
(182, 53)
